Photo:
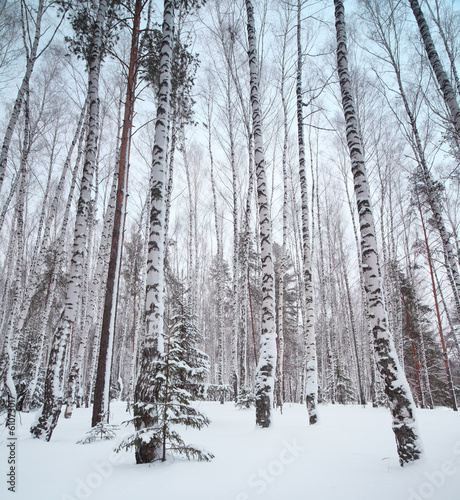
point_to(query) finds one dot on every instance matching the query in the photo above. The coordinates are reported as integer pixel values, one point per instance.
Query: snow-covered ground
(349, 455)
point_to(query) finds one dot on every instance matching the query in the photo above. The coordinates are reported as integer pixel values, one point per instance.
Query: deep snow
(349, 455)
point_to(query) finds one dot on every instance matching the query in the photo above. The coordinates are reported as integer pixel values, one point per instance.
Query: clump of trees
(249, 205)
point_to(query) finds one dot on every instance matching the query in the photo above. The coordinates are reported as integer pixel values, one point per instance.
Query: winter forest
(249, 207)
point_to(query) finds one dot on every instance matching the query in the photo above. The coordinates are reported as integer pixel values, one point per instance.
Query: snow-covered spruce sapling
(246, 398)
(102, 431)
(177, 372)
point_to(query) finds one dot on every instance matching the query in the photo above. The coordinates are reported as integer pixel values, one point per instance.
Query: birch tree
(148, 385)
(49, 416)
(444, 82)
(311, 391)
(396, 387)
(267, 358)
(31, 48)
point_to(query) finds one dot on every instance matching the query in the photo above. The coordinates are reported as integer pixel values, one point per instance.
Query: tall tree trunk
(443, 81)
(396, 387)
(6, 360)
(311, 391)
(59, 263)
(104, 366)
(53, 396)
(267, 357)
(145, 393)
(31, 57)
(449, 49)
(450, 382)
(219, 257)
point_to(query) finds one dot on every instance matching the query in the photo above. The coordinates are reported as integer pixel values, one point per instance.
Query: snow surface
(349, 455)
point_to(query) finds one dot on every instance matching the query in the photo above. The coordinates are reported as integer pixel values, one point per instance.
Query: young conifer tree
(180, 371)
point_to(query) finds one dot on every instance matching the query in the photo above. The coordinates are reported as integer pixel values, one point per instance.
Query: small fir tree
(178, 372)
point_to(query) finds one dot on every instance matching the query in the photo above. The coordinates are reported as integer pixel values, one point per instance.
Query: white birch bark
(6, 361)
(445, 40)
(396, 387)
(31, 55)
(441, 76)
(267, 358)
(219, 257)
(49, 416)
(153, 344)
(235, 322)
(282, 267)
(42, 243)
(59, 264)
(311, 391)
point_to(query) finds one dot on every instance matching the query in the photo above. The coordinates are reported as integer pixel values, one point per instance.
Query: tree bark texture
(396, 387)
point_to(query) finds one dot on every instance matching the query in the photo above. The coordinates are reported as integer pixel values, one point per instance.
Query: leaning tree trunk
(31, 58)
(59, 263)
(267, 358)
(396, 387)
(311, 390)
(449, 50)
(145, 408)
(441, 76)
(53, 395)
(6, 359)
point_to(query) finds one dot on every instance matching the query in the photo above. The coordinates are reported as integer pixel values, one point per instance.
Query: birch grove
(177, 220)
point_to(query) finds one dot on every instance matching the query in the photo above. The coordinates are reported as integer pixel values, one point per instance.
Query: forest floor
(349, 455)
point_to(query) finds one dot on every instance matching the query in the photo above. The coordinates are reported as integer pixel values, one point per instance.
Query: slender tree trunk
(219, 256)
(104, 366)
(311, 394)
(443, 81)
(145, 393)
(282, 267)
(53, 396)
(438, 317)
(59, 263)
(31, 54)
(396, 387)
(6, 360)
(267, 358)
(437, 20)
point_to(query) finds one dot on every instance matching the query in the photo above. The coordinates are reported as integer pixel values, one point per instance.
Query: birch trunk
(279, 393)
(145, 394)
(60, 258)
(435, 62)
(267, 358)
(396, 387)
(31, 57)
(49, 416)
(311, 390)
(6, 361)
(220, 309)
(449, 49)
(37, 268)
(235, 323)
